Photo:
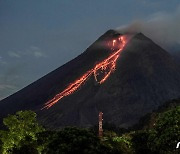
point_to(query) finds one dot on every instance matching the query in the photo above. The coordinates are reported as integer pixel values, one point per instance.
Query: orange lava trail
(107, 66)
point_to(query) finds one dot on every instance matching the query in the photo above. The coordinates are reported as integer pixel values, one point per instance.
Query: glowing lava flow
(106, 67)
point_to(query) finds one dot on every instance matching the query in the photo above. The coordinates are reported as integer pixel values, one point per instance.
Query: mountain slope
(145, 77)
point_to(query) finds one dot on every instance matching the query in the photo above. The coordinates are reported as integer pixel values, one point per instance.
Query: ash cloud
(163, 28)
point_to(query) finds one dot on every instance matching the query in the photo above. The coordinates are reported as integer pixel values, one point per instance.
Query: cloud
(9, 84)
(6, 89)
(36, 52)
(6, 86)
(164, 28)
(2, 62)
(32, 51)
(14, 54)
(19, 68)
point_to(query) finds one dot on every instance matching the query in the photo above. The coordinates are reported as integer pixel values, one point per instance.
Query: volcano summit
(124, 76)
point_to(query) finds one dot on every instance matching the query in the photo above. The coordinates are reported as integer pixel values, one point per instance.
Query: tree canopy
(22, 130)
(166, 132)
(24, 134)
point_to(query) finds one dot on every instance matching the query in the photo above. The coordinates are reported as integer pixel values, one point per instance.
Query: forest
(156, 133)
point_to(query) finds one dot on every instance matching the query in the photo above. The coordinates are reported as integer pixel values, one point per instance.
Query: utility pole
(100, 124)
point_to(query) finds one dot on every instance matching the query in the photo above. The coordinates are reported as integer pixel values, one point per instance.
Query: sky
(38, 36)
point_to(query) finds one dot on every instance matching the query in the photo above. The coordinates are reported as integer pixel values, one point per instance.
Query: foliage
(25, 135)
(0, 145)
(74, 140)
(163, 137)
(117, 144)
(44, 138)
(110, 127)
(140, 142)
(22, 132)
(147, 121)
(165, 134)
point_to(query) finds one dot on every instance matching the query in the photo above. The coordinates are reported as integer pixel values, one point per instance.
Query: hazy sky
(37, 36)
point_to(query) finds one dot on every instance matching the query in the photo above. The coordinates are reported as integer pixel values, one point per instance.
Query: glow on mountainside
(101, 71)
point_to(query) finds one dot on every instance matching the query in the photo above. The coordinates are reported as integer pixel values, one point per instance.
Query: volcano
(123, 75)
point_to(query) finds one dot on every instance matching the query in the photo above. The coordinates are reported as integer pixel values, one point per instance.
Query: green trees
(140, 142)
(163, 137)
(117, 144)
(25, 135)
(0, 146)
(22, 132)
(166, 132)
(72, 140)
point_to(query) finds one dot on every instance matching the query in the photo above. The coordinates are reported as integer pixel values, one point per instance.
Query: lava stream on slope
(101, 71)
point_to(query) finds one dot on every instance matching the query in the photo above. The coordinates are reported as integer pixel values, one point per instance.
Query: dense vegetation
(25, 135)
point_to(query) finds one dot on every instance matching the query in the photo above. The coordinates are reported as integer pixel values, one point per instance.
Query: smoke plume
(163, 28)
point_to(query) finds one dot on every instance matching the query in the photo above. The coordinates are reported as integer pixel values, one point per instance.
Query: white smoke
(163, 28)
